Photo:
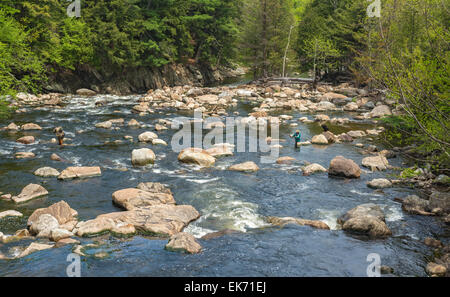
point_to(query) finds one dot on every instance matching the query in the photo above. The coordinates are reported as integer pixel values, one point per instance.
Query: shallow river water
(225, 199)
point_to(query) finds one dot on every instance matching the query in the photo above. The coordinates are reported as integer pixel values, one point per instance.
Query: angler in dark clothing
(59, 134)
(325, 128)
(297, 136)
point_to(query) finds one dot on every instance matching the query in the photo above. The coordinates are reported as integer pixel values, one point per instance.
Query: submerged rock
(24, 155)
(343, 167)
(30, 192)
(34, 247)
(30, 126)
(289, 220)
(286, 160)
(196, 156)
(26, 140)
(313, 168)
(80, 172)
(104, 125)
(184, 242)
(220, 151)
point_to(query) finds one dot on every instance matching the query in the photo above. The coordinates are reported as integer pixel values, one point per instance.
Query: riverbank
(223, 204)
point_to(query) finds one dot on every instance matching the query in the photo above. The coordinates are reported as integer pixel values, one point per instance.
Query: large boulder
(379, 111)
(376, 163)
(415, 205)
(343, 167)
(43, 226)
(80, 172)
(244, 167)
(184, 242)
(160, 220)
(331, 138)
(24, 155)
(130, 199)
(147, 137)
(367, 219)
(441, 201)
(30, 192)
(142, 157)
(196, 156)
(47, 172)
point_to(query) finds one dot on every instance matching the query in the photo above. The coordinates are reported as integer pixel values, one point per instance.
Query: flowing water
(226, 200)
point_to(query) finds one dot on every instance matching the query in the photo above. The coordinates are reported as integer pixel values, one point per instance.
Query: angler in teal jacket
(297, 136)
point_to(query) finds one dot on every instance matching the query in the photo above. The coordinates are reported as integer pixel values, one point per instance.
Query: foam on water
(197, 231)
(330, 217)
(203, 181)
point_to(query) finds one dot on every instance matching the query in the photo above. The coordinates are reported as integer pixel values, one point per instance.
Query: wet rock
(12, 127)
(331, 138)
(196, 156)
(321, 118)
(10, 213)
(43, 226)
(161, 220)
(221, 233)
(345, 138)
(434, 269)
(147, 137)
(244, 167)
(415, 205)
(130, 199)
(388, 154)
(34, 247)
(86, 92)
(289, 220)
(376, 163)
(58, 234)
(26, 140)
(154, 188)
(367, 219)
(319, 139)
(433, 242)
(379, 183)
(220, 151)
(142, 157)
(356, 134)
(286, 160)
(61, 211)
(80, 172)
(104, 125)
(30, 126)
(31, 191)
(6, 197)
(47, 172)
(55, 157)
(313, 168)
(440, 200)
(134, 123)
(386, 269)
(66, 241)
(159, 142)
(24, 155)
(343, 167)
(183, 242)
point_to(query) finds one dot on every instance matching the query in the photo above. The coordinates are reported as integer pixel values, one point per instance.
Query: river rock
(154, 188)
(80, 172)
(43, 226)
(142, 157)
(244, 167)
(322, 118)
(319, 139)
(220, 151)
(55, 157)
(345, 138)
(379, 183)
(196, 156)
(313, 168)
(331, 138)
(434, 269)
(367, 219)
(61, 211)
(24, 155)
(289, 220)
(47, 172)
(104, 125)
(30, 192)
(159, 142)
(286, 160)
(85, 92)
(341, 166)
(416, 205)
(147, 137)
(433, 242)
(440, 200)
(134, 123)
(12, 127)
(379, 111)
(130, 199)
(10, 213)
(183, 242)
(376, 163)
(26, 140)
(356, 134)
(58, 234)
(34, 247)
(30, 126)
(161, 220)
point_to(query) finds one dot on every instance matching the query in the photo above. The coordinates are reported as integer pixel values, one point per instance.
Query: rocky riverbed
(119, 196)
